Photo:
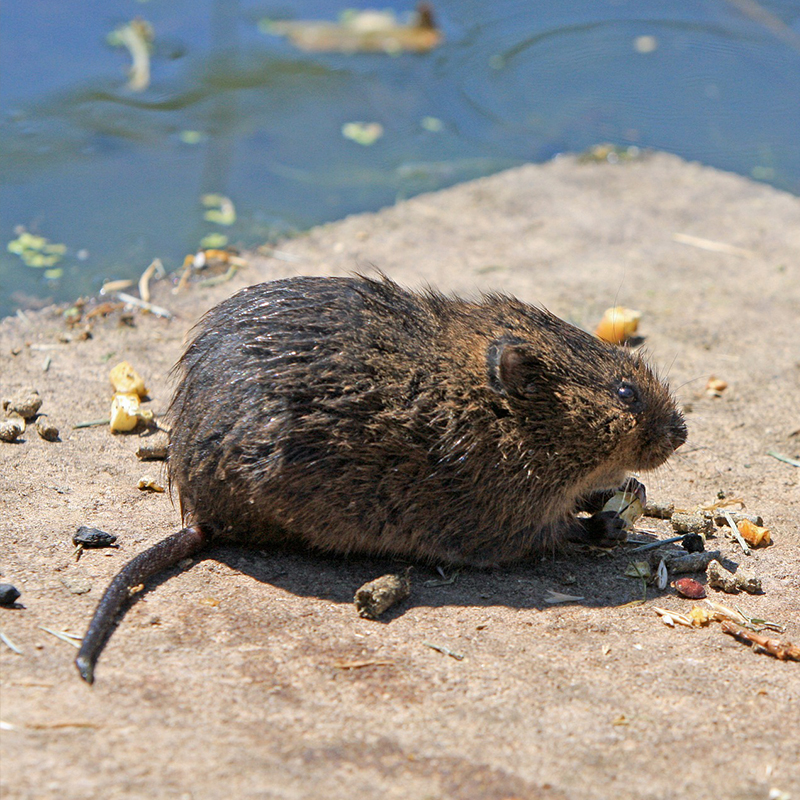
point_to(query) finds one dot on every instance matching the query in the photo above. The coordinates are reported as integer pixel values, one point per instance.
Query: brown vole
(347, 414)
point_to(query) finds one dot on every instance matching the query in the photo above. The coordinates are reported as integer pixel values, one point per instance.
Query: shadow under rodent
(349, 415)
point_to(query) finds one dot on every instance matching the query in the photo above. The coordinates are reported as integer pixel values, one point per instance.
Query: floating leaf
(213, 241)
(432, 124)
(221, 209)
(365, 133)
(36, 251)
(191, 137)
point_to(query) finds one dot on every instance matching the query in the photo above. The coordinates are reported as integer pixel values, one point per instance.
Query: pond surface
(116, 176)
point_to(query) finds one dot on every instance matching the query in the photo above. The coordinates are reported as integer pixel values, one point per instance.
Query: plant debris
(379, 595)
(785, 651)
(554, 597)
(715, 387)
(367, 31)
(754, 535)
(688, 587)
(149, 485)
(155, 449)
(444, 650)
(364, 133)
(366, 662)
(36, 251)
(786, 459)
(126, 380)
(732, 583)
(8, 643)
(137, 37)
(681, 563)
(618, 324)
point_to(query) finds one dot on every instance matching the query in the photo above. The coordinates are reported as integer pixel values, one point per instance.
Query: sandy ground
(228, 678)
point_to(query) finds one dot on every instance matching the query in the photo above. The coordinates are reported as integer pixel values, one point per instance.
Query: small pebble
(8, 594)
(683, 522)
(77, 584)
(93, 537)
(693, 543)
(11, 429)
(47, 430)
(25, 403)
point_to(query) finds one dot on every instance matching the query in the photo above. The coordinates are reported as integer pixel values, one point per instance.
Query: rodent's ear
(512, 367)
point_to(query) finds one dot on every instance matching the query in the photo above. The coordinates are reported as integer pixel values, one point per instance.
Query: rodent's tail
(165, 553)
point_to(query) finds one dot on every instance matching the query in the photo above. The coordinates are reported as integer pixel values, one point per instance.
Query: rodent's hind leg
(604, 529)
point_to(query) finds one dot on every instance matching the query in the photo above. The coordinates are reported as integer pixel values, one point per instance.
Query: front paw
(604, 529)
(596, 500)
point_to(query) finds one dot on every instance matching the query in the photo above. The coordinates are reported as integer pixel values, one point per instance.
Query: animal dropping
(353, 416)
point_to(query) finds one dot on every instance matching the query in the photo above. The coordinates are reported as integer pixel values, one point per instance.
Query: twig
(654, 545)
(156, 267)
(69, 638)
(445, 651)
(153, 309)
(786, 459)
(443, 581)
(735, 532)
(371, 662)
(710, 244)
(92, 423)
(10, 644)
(785, 651)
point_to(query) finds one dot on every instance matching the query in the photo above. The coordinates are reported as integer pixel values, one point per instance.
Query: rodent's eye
(627, 393)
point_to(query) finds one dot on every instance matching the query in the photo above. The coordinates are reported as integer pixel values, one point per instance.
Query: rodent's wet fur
(351, 415)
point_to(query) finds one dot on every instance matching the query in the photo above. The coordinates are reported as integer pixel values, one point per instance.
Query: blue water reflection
(108, 172)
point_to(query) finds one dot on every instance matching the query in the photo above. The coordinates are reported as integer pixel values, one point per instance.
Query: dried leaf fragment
(715, 387)
(618, 324)
(149, 485)
(625, 505)
(557, 597)
(754, 535)
(638, 569)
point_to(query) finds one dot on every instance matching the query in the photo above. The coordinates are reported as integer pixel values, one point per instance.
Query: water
(105, 171)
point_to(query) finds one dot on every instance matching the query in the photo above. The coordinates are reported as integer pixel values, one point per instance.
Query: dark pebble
(8, 594)
(693, 543)
(93, 537)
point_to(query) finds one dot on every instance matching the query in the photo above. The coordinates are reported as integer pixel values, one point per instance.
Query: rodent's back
(351, 415)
